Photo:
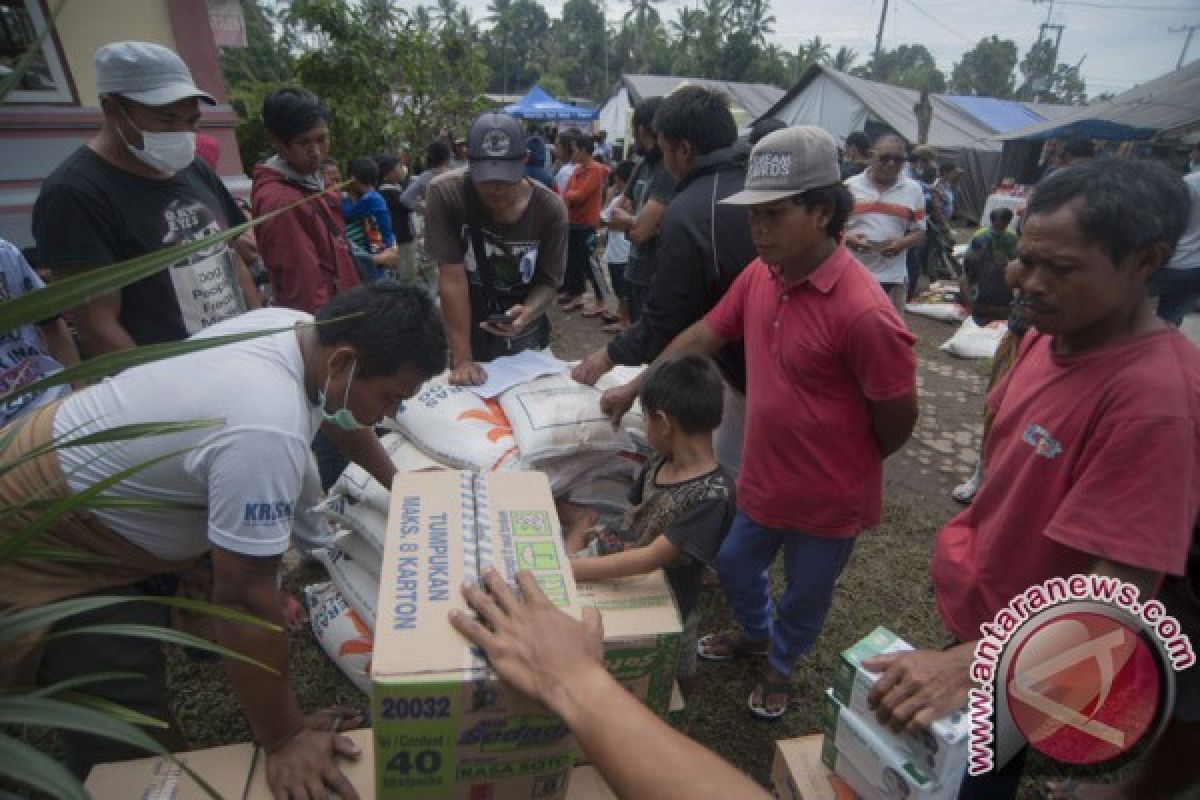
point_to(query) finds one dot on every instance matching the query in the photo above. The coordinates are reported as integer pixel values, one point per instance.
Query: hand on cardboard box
(306, 766)
(533, 646)
(918, 687)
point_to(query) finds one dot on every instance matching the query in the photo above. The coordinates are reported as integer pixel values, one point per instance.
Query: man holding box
(1093, 454)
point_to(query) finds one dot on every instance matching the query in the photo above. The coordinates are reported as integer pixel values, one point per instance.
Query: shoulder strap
(483, 266)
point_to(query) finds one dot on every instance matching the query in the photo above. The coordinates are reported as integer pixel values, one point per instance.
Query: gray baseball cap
(145, 73)
(788, 162)
(496, 149)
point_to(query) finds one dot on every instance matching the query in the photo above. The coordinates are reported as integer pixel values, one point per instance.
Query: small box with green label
(641, 634)
(445, 726)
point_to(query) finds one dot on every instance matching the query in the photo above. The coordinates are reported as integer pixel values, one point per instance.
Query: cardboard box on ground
(234, 773)
(798, 774)
(445, 726)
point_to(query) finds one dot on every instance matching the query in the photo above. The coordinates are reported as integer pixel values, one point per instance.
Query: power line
(1189, 30)
(1109, 7)
(938, 22)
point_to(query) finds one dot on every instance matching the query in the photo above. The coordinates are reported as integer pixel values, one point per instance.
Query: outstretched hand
(532, 645)
(920, 686)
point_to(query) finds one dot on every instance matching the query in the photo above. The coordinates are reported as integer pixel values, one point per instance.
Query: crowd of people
(762, 278)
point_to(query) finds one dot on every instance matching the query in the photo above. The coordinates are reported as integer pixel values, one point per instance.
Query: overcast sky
(1121, 42)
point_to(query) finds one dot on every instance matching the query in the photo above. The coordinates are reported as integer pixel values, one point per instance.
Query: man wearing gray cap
(831, 392)
(135, 188)
(500, 243)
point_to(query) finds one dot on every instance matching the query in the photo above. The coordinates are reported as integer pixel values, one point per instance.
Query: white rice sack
(341, 633)
(353, 579)
(555, 416)
(944, 312)
(607, 494)
(454, 426)
(568, 473)
(973, 341)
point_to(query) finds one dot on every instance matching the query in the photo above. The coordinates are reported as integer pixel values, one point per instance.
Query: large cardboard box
(798, 774)
(641, 634)
(233, 771)
(942, 751)
(855, 748)
(586, 784)
(445, 726)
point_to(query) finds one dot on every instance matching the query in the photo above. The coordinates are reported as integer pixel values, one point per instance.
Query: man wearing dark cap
(135, 188)
(500, 242)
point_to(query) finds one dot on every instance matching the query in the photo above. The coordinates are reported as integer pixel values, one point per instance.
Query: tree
(814, 51)
(987, 70)
(843, 60)
(579, 41)
(253, 71)
(909, 65)
(518, 45)
(1048, 82)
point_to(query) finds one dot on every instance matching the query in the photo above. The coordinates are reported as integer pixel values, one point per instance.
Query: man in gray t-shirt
(523, 230)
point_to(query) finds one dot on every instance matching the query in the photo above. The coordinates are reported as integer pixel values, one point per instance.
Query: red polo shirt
(818, 352)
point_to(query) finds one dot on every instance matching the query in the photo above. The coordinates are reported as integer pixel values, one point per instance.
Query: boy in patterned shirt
(683, 499)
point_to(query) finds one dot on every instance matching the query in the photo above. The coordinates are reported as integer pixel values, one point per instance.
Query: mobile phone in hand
(501, 319)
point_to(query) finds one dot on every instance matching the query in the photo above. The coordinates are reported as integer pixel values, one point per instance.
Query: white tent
(615, 115)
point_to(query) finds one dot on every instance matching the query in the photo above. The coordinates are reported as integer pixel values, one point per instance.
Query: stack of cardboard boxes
(873, 761)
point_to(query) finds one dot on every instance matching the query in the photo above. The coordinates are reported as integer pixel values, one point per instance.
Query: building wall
(84, 26)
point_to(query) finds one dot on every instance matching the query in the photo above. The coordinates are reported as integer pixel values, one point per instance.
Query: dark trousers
(579, 272)
(637, 299)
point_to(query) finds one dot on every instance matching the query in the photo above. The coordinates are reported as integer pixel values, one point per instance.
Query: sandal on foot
(768, 688)
(574, 305)
(593, 311)
(613, 327)
(609, 318)
(727, 645)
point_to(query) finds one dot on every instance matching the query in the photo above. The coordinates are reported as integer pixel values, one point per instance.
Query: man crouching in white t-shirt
(231, 486)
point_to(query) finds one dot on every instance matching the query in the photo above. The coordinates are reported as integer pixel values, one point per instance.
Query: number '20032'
(416, 708)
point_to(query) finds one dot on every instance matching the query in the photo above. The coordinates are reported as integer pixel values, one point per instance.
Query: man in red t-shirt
(584, 195)
(1093, 457)
(831, 391)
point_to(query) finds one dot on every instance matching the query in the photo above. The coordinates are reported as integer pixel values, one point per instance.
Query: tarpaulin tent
(537, 104)
(962, 129)
(747, 100)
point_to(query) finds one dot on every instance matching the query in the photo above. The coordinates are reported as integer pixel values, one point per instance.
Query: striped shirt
(884, 214)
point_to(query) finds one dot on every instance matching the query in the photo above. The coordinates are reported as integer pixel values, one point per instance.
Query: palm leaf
(38, 770)
(123, 713)
(120, 433)
(160, 634)
(60, 556)
(71, 684)
(15, 623)
(83, 287)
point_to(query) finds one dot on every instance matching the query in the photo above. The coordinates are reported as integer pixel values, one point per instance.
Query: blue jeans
(1177, 291)
(812, 565)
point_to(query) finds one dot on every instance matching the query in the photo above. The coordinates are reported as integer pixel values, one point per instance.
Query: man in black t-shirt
(135, 188)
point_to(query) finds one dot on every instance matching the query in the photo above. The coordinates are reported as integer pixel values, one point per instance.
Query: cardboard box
(798, 774)
(856, 749)
(942, 751)
(445, 726)
(225, 769)
(586, 784)
(641, 634)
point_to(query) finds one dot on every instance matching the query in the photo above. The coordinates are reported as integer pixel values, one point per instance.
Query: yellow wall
(85, 25)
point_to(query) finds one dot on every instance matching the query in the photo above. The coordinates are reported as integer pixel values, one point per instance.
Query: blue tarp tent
(537, 104)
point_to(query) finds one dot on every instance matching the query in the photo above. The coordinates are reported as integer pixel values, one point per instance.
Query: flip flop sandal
(574, 305)
(613, 327)
(727, 641)
(609, 318)
(593, 312)
(769, 688)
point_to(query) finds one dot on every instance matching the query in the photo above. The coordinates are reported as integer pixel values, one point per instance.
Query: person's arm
(100, 328)
(245, 281)
(297, 756)
(363, 448)
(699, 338)
(59, 342)
(547, 655)
(892, 422)
(454, 291)
(383, 218)
(645, 224)
(634, 561)
(411, 198)
(894, 247)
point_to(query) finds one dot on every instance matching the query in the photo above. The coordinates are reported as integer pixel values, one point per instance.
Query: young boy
(368, 223)
(683, 499)
(616, 249)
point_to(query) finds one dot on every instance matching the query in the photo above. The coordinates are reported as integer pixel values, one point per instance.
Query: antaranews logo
(1078, 668)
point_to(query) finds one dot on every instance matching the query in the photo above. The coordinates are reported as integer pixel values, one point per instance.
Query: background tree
(987, 70)
(843, 60)
(1048, 82)
(578, 41)
(909, 65)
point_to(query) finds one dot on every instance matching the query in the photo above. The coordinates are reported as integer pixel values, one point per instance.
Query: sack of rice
(346, 639)
(454, 426)
(974, 341)
(353, 578)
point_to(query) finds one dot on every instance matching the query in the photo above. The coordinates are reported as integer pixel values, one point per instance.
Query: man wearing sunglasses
(888, 217)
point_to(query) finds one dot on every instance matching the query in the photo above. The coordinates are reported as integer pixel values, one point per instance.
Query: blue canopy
(1001, 116)
(537, 104)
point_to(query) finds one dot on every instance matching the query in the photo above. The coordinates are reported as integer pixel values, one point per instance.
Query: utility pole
(879, 39)
(1189, 30)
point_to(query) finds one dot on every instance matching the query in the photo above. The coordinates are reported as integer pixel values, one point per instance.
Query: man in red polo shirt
(831, 391)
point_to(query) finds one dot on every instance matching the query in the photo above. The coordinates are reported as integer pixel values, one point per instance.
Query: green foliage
(909, 65)
(1048, 82)
(987, 70)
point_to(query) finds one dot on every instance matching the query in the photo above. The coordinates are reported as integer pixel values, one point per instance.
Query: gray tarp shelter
(1162, 110)
(748, 100)
(962, 129)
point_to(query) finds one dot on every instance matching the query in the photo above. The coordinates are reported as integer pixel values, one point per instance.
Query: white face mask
(165, 152)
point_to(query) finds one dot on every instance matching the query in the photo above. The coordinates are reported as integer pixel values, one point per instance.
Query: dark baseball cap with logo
(496, 149)
(789, 162)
